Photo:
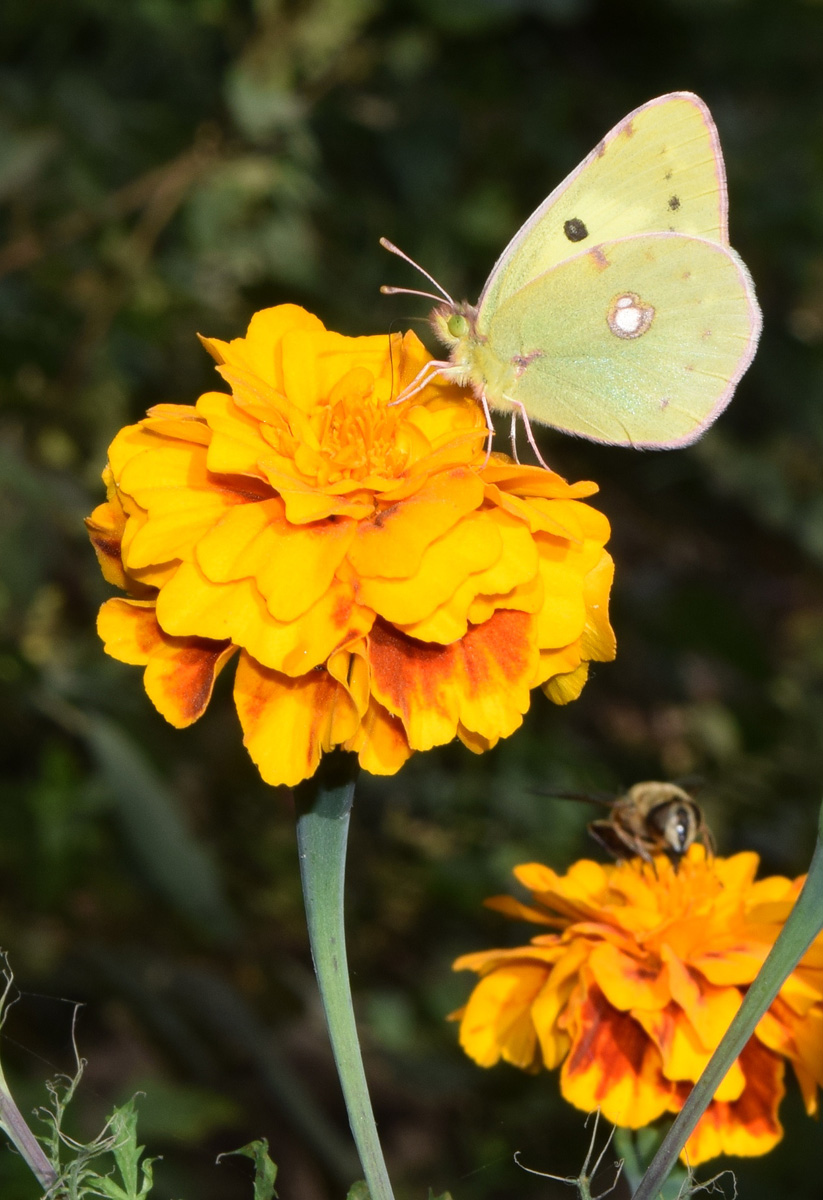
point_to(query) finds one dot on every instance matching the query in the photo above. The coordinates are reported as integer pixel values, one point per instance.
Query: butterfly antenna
(393, 291)
(388, 290)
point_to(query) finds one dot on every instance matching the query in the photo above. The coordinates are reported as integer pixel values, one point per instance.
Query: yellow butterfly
(618, 312)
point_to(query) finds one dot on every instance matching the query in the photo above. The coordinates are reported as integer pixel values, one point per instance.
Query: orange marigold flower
(634, 991)
(384, 586)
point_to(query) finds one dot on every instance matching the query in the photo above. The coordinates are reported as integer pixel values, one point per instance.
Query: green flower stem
(323, 807)
(802, 926)
(18, 1132)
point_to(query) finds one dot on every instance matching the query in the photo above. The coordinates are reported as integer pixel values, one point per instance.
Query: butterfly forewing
(659, 170)
(639, 341)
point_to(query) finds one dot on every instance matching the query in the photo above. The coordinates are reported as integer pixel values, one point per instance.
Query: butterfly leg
(518, 407)
(421, 380)
(489, 427)
(513, 436)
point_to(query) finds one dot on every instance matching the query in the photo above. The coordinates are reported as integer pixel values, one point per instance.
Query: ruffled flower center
(357, 436)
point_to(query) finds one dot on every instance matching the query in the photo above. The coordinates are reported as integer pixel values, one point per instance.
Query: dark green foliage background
(169, 166)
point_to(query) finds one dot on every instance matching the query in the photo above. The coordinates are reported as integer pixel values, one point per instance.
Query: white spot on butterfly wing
(628, 316)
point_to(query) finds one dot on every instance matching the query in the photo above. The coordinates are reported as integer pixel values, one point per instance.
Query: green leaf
(265, 1171)
(137, 1178)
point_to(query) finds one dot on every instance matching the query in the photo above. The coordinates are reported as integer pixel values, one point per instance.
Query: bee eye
(681, 830)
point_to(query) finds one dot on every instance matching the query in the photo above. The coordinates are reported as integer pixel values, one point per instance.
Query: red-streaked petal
(289, 723)
(612, 1065)
(482, 681)
(180, 672)
(750, 1125)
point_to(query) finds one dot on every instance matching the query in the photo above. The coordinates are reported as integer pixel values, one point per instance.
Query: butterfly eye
(457, 325)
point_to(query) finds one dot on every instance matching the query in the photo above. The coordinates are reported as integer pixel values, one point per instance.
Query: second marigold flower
(384, 587)
(635, 988)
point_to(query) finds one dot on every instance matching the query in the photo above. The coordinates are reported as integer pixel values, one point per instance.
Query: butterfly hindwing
(639, 341)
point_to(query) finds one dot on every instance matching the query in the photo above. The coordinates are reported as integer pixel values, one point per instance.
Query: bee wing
(605, 799)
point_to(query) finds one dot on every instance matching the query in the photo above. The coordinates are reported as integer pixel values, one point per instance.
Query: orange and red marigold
(638, 984)
(383, 586)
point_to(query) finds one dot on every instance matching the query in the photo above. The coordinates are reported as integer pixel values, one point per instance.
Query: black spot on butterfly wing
(674, 203)
(575, 230)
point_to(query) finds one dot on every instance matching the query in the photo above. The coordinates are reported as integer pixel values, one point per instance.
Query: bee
(650, 818)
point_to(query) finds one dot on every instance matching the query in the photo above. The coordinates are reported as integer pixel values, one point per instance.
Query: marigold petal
(628, 983)
(128, 629)
(293, 566)
(683, 1052)
(306, 503)
(350, 667)
(180, 675)
(748, 1126)
(129, 442)
(464, 550)
(515, 565)
(181, 500)
(537, 519)
(736, 873)
(481, 681)
(807, 1058)
(105, 527)
(393, 544)
(612, 1065)
(558, 662)
(562, 689)
(190, 605)
(682, 985)
(177, 421)
(236, 447)
(314, 362)
(450, 424)
(380, 742)
(713, 1013)
(533, 481)
(523, 912)
(549, 1005)
(259, 350)
(736, 964)
(287, 723)
(563, 569)
(576, 894)
(180, 672)
(526, 597)
(496, 1023)
(598, 642)
(483, 962)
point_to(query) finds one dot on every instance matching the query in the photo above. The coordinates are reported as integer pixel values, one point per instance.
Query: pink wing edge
(720, 169)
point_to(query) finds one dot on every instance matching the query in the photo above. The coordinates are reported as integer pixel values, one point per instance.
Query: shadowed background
(168, 167)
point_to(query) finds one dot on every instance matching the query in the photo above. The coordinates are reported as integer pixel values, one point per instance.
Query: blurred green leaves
(169, 166)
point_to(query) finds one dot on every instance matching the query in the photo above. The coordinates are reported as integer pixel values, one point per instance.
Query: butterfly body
(618, 312)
